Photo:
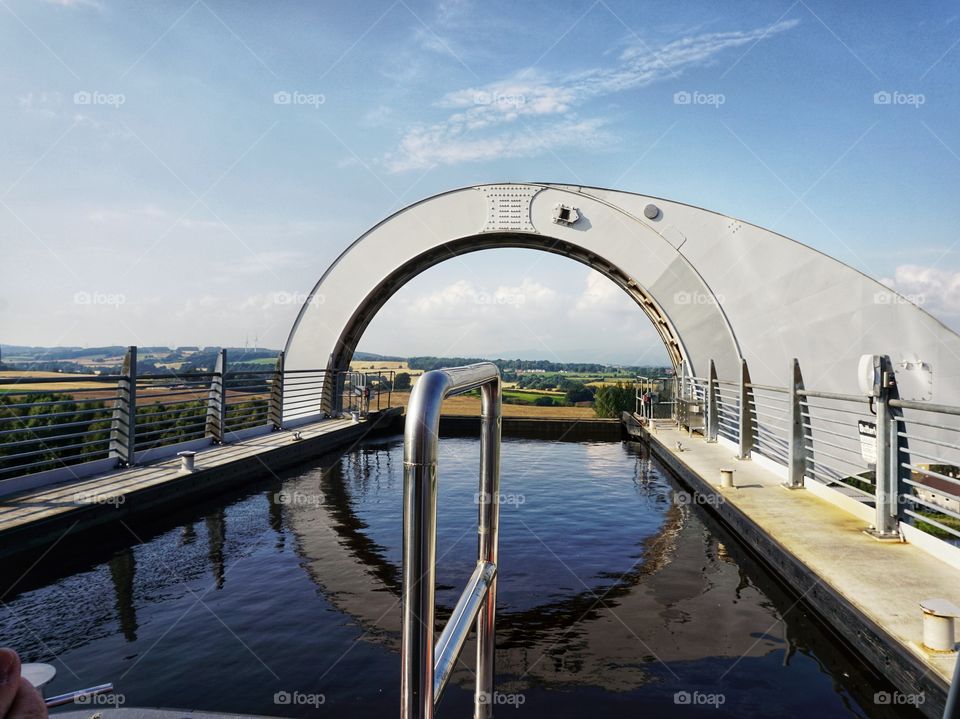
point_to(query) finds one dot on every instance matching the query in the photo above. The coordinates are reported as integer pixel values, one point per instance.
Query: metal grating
(508, 207)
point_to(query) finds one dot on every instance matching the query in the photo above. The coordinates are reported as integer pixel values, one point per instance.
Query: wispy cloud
(936, 290)
(485, 120)
(76, 3)
(449, 144)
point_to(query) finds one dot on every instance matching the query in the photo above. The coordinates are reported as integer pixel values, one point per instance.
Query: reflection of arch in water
(576, 639)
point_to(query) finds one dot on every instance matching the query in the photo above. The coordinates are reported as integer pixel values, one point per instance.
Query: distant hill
(191, 358)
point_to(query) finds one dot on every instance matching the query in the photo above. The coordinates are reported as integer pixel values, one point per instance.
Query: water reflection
(608, 585)
(122, 568)
(216, 537)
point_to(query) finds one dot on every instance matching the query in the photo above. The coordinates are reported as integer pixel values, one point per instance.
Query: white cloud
(120, 215)
(465, 300)
(76, 3)
(571, 321)
(938, 291)
(41, 104)
(446, 144)
(601, 295)
(256, 263)
(478, 128)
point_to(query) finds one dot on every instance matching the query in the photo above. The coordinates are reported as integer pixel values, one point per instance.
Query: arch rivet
(651, 212)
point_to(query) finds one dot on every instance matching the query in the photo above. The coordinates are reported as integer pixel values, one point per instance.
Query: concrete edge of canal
(889, 655)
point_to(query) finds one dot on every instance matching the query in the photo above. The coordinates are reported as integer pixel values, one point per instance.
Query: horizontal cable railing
(900, 459)
(51, 423)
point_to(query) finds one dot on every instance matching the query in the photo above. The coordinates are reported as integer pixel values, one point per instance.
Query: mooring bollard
(938, 624)
(726, 479)
(39, 675)
(186, 461)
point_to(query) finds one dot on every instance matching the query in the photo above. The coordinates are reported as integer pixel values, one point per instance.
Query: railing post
(123, 424)
(489, 530)
(328, 391)
(340, 381)
(426, 666)
(275, 409)
(746, 425)
(887, 484)
(797, 447)
(713, 412)
(217, 401)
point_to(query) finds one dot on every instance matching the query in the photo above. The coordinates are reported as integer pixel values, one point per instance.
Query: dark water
(615, 596)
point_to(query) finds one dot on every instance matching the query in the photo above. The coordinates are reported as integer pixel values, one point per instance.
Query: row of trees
(507, 365)
(49, 430)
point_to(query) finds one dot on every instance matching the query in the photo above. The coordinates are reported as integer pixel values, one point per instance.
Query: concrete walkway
(35, 517)
(869, 591)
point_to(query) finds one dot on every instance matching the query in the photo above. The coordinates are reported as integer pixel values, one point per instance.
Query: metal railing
(648, 404)
(899, 459)
(50, 423)
(426, 667)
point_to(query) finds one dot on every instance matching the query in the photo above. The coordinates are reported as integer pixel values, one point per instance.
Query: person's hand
(18, 698)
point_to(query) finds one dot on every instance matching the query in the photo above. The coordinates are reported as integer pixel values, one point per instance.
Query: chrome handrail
(426, 667)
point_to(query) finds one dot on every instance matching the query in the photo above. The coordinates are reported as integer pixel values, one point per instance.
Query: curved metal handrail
(426, 667)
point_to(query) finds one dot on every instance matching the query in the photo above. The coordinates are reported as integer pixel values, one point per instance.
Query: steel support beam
(216, 426)
(797, 448)
(745, 433)
(123, 423)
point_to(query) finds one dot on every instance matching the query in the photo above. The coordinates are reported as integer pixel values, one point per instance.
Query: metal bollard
(938, 624)
(726, 479)
(186, 461)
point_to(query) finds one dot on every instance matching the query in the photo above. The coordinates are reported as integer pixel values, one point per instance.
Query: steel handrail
(425, 666)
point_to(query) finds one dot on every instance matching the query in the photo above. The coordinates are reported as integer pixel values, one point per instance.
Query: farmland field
(384, 365)
(466, 405)
(146, 395)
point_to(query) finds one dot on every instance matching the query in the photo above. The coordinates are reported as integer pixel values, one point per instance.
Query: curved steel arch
(715, 287)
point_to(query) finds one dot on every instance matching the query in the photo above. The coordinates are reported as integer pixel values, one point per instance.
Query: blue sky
(153, 191)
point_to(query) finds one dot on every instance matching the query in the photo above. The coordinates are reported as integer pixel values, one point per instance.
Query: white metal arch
(715, 287)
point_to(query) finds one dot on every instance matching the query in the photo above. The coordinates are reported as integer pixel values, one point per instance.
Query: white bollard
(38, 674)
(726, 479)
(938, 624)
(186, 461)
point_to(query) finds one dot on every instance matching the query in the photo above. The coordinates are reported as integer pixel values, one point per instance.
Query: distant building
(941, 487)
